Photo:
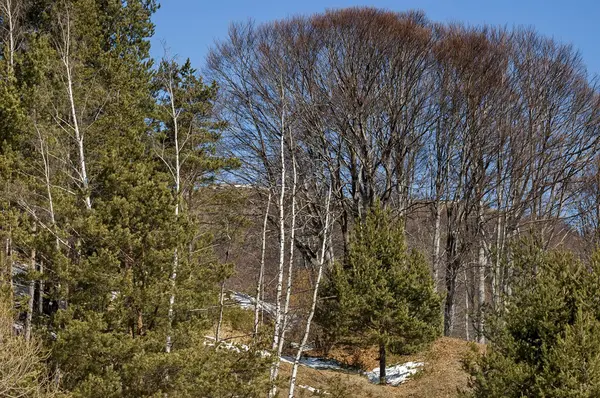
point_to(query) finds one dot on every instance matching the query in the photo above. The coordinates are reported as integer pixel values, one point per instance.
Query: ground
(441, 377)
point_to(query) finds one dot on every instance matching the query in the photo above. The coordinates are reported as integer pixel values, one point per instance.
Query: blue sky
(190, 27)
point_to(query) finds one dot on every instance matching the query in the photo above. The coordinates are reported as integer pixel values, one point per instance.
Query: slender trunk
(221, 306)
(175, 267)
(467, 334)
(261, 272)
(281, 250)
(46, 161)
(450, 279)
(9, 266)
(496, 265)
(278, 316)
(481, 291)
(382, 375)
(314, 300)
(288, 291)
(436, 243)
(76, 128)
(31, 293)
(481, 269)
(7, 8)
(41, 288)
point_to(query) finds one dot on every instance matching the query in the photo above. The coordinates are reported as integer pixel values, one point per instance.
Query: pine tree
(87, 206)
(546, 343)
(385, 294)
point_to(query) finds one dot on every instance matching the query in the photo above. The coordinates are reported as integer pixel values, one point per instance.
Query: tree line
(476, 136)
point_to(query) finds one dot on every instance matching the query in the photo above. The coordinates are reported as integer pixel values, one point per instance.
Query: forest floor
(442, 375)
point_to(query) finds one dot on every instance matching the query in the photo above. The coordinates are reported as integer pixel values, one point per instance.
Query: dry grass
(22, 369)
(441, 377)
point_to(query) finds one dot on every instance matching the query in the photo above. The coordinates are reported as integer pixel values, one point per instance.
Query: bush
(23, 372)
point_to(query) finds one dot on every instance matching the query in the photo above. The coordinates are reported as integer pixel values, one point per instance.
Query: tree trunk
(450, 278)
(382, 375)
(288, 291)
(76, 128)
(41, 288)
(261, 272)
(177, 178)
(278, 315)
(9, 17)
(314, 301)
(436, 243)
(220, 321)
(31, 293)
(482, 263)
(281, 246)
(467, 334)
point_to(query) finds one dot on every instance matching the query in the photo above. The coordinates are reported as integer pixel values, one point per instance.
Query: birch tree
(315, 296)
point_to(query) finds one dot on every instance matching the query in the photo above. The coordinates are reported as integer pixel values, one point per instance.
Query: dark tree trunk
(450, 278)
(382, 363)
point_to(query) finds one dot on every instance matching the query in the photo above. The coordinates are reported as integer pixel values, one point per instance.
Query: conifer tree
(384, 295)
(546, 343)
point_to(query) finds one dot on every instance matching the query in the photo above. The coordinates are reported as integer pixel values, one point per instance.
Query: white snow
(313, 390)
(227, 345)
(247, 302)
(397, 374)
(238, 348)
(315, 363)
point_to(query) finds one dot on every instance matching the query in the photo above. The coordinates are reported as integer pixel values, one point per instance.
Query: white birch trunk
(177, 177)
(481, 267)
(221, 306)
(288, 291)
(482, 262)
(261, 272)
(75, 122)
(278, 315)
(9, 14)
(314, 300)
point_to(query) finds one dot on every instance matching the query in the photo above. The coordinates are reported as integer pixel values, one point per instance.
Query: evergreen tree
(385, 294)
(87, 206)
(546, 343)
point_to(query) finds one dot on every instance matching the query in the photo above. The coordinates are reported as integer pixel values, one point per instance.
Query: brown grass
(441, 377)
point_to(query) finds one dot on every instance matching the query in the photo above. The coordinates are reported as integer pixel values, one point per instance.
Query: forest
(358, 186)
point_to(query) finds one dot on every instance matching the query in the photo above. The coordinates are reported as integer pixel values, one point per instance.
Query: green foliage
(183, 98)
(385, 294)
(126, 367)
(546, 343)
(107, 269)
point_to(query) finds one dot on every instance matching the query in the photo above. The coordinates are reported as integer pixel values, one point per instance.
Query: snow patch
(315, 363)
(238, 348)
(397, 374)
(313, 390)
(247, 302)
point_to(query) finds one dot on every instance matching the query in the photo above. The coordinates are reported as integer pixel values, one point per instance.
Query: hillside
(441, 377)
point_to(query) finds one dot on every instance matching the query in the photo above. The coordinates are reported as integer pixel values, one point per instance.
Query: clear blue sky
(189, 27)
